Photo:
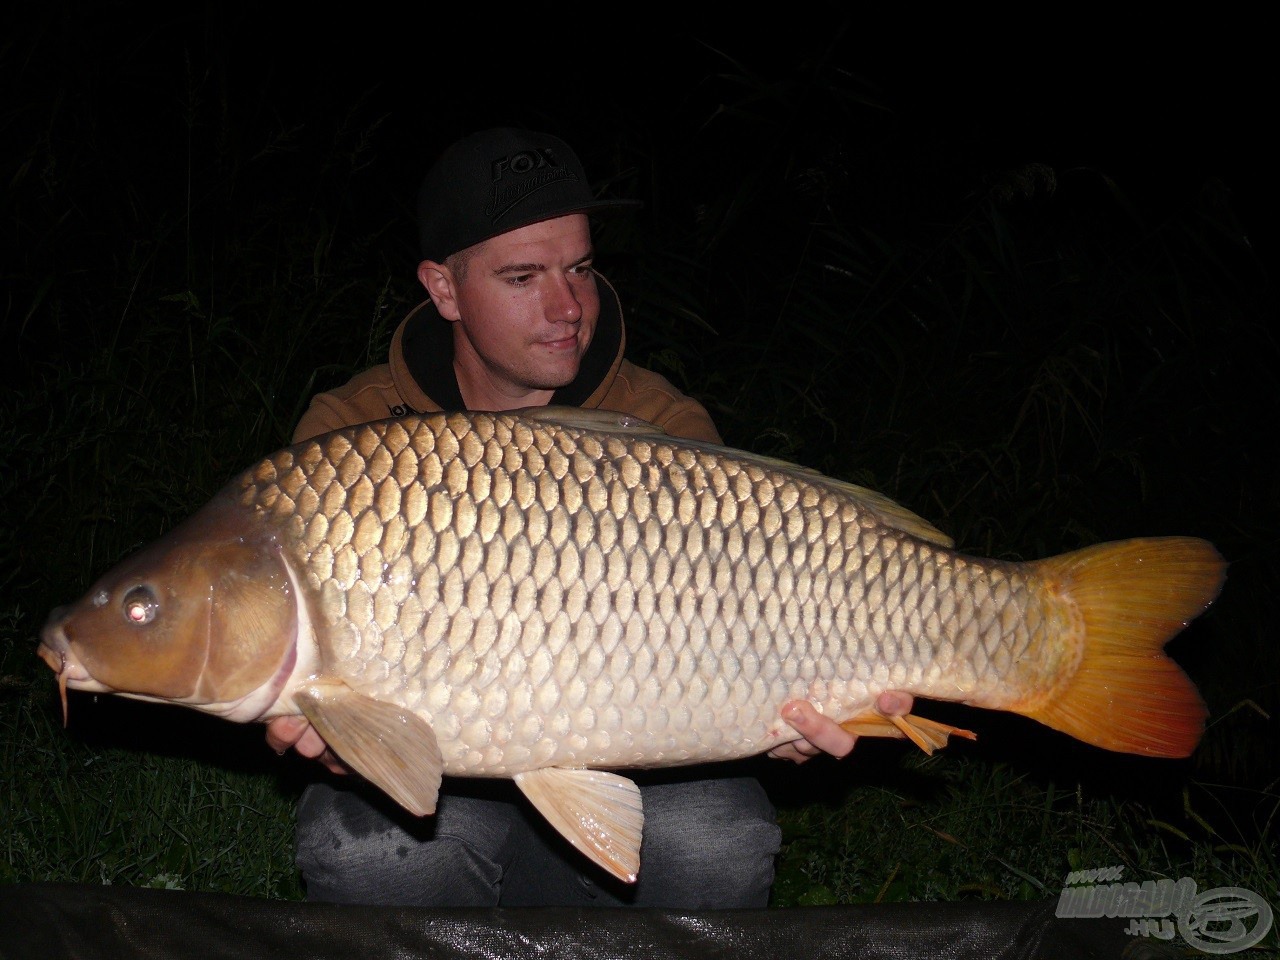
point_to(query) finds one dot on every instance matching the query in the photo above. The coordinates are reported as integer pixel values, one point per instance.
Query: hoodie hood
(422, 352)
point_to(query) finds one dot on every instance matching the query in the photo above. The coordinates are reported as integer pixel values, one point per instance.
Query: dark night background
(945, 102)
(242, 161)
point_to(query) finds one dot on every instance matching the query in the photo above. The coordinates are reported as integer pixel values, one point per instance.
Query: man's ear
(438, 280)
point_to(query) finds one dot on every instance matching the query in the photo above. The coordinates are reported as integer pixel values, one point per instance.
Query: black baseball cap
(498, 180)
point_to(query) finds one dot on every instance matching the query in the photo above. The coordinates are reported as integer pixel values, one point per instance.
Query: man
(518, 317)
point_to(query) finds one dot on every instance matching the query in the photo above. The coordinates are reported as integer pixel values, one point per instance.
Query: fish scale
(461, 541)
(555, 595)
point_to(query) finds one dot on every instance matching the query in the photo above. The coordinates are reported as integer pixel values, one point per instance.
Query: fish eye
(140, 605)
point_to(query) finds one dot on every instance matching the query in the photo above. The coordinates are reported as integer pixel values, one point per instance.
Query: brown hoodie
(421, 359)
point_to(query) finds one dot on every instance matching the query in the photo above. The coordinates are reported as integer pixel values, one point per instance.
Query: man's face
(526, 312)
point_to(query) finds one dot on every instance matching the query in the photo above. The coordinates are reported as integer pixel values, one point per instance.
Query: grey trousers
(708, 844)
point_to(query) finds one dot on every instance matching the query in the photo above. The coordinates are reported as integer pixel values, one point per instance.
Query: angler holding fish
(583, 583)
(518, 317)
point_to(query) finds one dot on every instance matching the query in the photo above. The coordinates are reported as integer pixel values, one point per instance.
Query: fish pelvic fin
(393, 748)
(1132, 597)
(928, 735)
(598, 812)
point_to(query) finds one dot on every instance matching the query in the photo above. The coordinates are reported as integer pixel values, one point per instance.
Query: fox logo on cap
(517, 175)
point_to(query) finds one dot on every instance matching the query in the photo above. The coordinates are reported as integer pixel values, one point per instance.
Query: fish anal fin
(391, 747)
(598, 812)
(1132, 596)
(928, 735)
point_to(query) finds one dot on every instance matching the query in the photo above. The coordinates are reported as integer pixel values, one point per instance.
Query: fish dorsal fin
(598, 812)
(888, 512)
(584, 418)
(391, 747)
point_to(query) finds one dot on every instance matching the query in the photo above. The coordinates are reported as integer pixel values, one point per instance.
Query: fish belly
(545, 596)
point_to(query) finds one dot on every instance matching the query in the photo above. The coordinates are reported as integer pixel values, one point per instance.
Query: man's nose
(564, 306)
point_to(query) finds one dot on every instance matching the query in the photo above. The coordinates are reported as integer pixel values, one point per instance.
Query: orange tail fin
(1133, 597)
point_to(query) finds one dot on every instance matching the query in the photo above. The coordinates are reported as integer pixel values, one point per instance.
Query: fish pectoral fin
(928, 735)
(600, 813)
(393, 748)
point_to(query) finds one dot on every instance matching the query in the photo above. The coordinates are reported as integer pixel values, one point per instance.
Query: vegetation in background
(1034, 356)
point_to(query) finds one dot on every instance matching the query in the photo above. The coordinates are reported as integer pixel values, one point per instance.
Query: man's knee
(349, 850)
(708, 844)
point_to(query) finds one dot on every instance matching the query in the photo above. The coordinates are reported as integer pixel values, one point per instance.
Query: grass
(1034, 356)
(965, 828)
(112, 813)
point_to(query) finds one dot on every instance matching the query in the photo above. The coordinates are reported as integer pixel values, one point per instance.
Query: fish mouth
(55, 650)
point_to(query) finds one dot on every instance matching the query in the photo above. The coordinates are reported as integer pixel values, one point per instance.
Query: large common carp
(552, 594)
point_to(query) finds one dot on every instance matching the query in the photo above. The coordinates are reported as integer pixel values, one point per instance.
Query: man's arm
(370, 395)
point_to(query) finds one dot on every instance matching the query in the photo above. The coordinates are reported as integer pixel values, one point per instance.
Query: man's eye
(140, 605)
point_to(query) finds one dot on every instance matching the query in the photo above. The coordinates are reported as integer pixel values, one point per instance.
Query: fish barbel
(556, 594)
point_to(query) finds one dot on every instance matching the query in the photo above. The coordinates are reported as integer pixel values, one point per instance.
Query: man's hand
(296, 732)
(822, 734)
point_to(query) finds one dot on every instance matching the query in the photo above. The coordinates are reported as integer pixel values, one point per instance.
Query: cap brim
(594, 207)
